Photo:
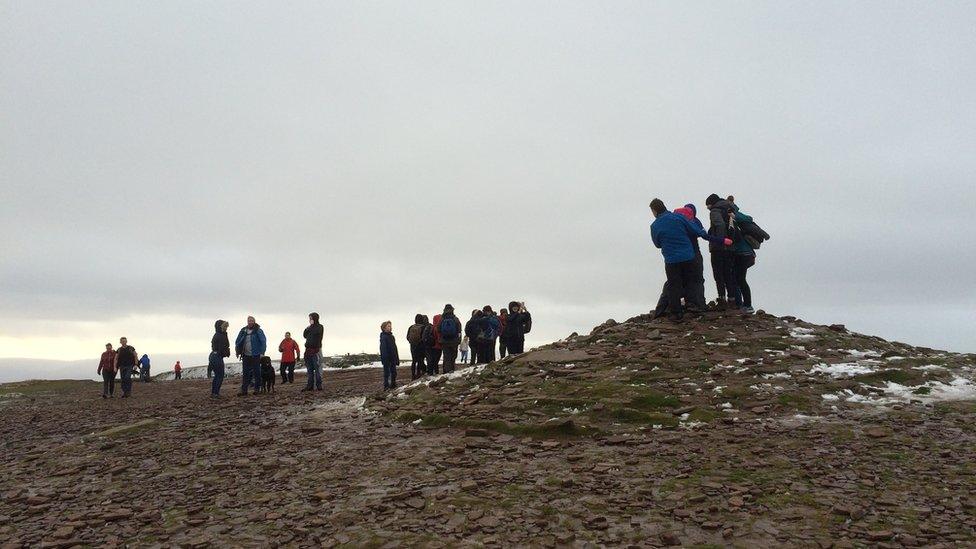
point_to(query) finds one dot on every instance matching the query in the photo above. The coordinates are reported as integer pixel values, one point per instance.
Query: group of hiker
(123, 361)
(442, 338)
(250, 347)
(733, 238)
(429, 343)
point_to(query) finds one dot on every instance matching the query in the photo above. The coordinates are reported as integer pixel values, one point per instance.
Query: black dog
(267, 375)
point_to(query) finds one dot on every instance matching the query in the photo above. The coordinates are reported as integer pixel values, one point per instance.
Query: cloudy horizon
(165, 165)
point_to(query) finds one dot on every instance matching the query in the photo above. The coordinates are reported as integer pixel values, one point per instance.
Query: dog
(268, 375)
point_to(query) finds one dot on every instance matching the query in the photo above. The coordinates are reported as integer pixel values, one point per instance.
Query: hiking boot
(318, 388)
(104, 396)
(747, 310)
(242, 394)
(720, 304)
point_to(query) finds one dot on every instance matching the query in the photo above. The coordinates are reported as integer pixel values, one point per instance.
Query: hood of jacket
(219, 327)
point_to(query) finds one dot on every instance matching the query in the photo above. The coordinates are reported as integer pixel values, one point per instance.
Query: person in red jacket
(290, 354)
(178, 371)
(106, 368)
(432, 344)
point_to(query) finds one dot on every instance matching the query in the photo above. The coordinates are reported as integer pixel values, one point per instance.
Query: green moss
(653, 401)
(902, 377)
(922, 391)
(793, 400)
(703, 414)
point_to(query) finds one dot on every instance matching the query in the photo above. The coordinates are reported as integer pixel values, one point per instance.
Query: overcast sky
(165, 164)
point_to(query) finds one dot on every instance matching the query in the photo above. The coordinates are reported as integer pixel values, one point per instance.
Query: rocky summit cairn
(728, 430)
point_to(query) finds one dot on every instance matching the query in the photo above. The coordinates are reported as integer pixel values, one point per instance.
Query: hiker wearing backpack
(432, 345)
(490, 326)
(747, 237)
(471, 329)
(389, 355)
(519, 324)
(720, 214)
(414, 338)
(450, 335)
(694, 294)
(673, 234)
(503, 321)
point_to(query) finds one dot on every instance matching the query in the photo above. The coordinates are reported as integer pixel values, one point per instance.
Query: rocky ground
(722, 431)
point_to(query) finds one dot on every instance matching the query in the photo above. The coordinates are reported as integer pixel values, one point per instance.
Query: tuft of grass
(653, 401)
(901, 377)
(791, 400)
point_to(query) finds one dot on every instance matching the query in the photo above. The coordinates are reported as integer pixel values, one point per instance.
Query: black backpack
(753, 234)
(427, 337)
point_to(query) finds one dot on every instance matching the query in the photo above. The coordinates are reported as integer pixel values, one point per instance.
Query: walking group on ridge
(733, 238)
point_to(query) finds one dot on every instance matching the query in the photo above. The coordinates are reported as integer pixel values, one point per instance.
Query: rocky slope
(725, 431)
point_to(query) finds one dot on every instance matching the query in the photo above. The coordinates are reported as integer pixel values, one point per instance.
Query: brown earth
(723, 431)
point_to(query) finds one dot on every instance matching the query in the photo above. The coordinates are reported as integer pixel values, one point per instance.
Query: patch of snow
(780, 375)
(798, 332)
(459, 373)
(725, 406)
(959, 388)
(860, 354)
(895, 358)
(842, 370)
(929, 367)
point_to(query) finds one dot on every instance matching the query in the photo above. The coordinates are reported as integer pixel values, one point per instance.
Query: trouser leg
(450, 358)
(675, 287)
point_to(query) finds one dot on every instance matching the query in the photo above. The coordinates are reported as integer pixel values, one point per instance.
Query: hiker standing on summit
(219, 350)
(519, 323)
(694, 295)
(313, 353)
(673, 234)
(450, 332)
(250, 345)
(720, 214)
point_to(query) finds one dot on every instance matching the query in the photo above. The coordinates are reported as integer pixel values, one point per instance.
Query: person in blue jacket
(144, 369)
(675, 235)
(250, 347)
(389, 355)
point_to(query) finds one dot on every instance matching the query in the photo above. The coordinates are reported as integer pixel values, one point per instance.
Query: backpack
(415, 334)
(427, 336)
(449, 329)
(753, 234)
(489, 329)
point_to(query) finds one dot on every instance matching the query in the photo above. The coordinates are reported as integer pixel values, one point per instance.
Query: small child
(178, 370)
(465, 347)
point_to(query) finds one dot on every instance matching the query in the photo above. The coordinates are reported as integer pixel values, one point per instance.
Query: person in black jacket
(471, 329)
(313, 353)
(450, 331)
(219, 350)
(418, 366)
(389, 355)
(723, 259)
(519, 324)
